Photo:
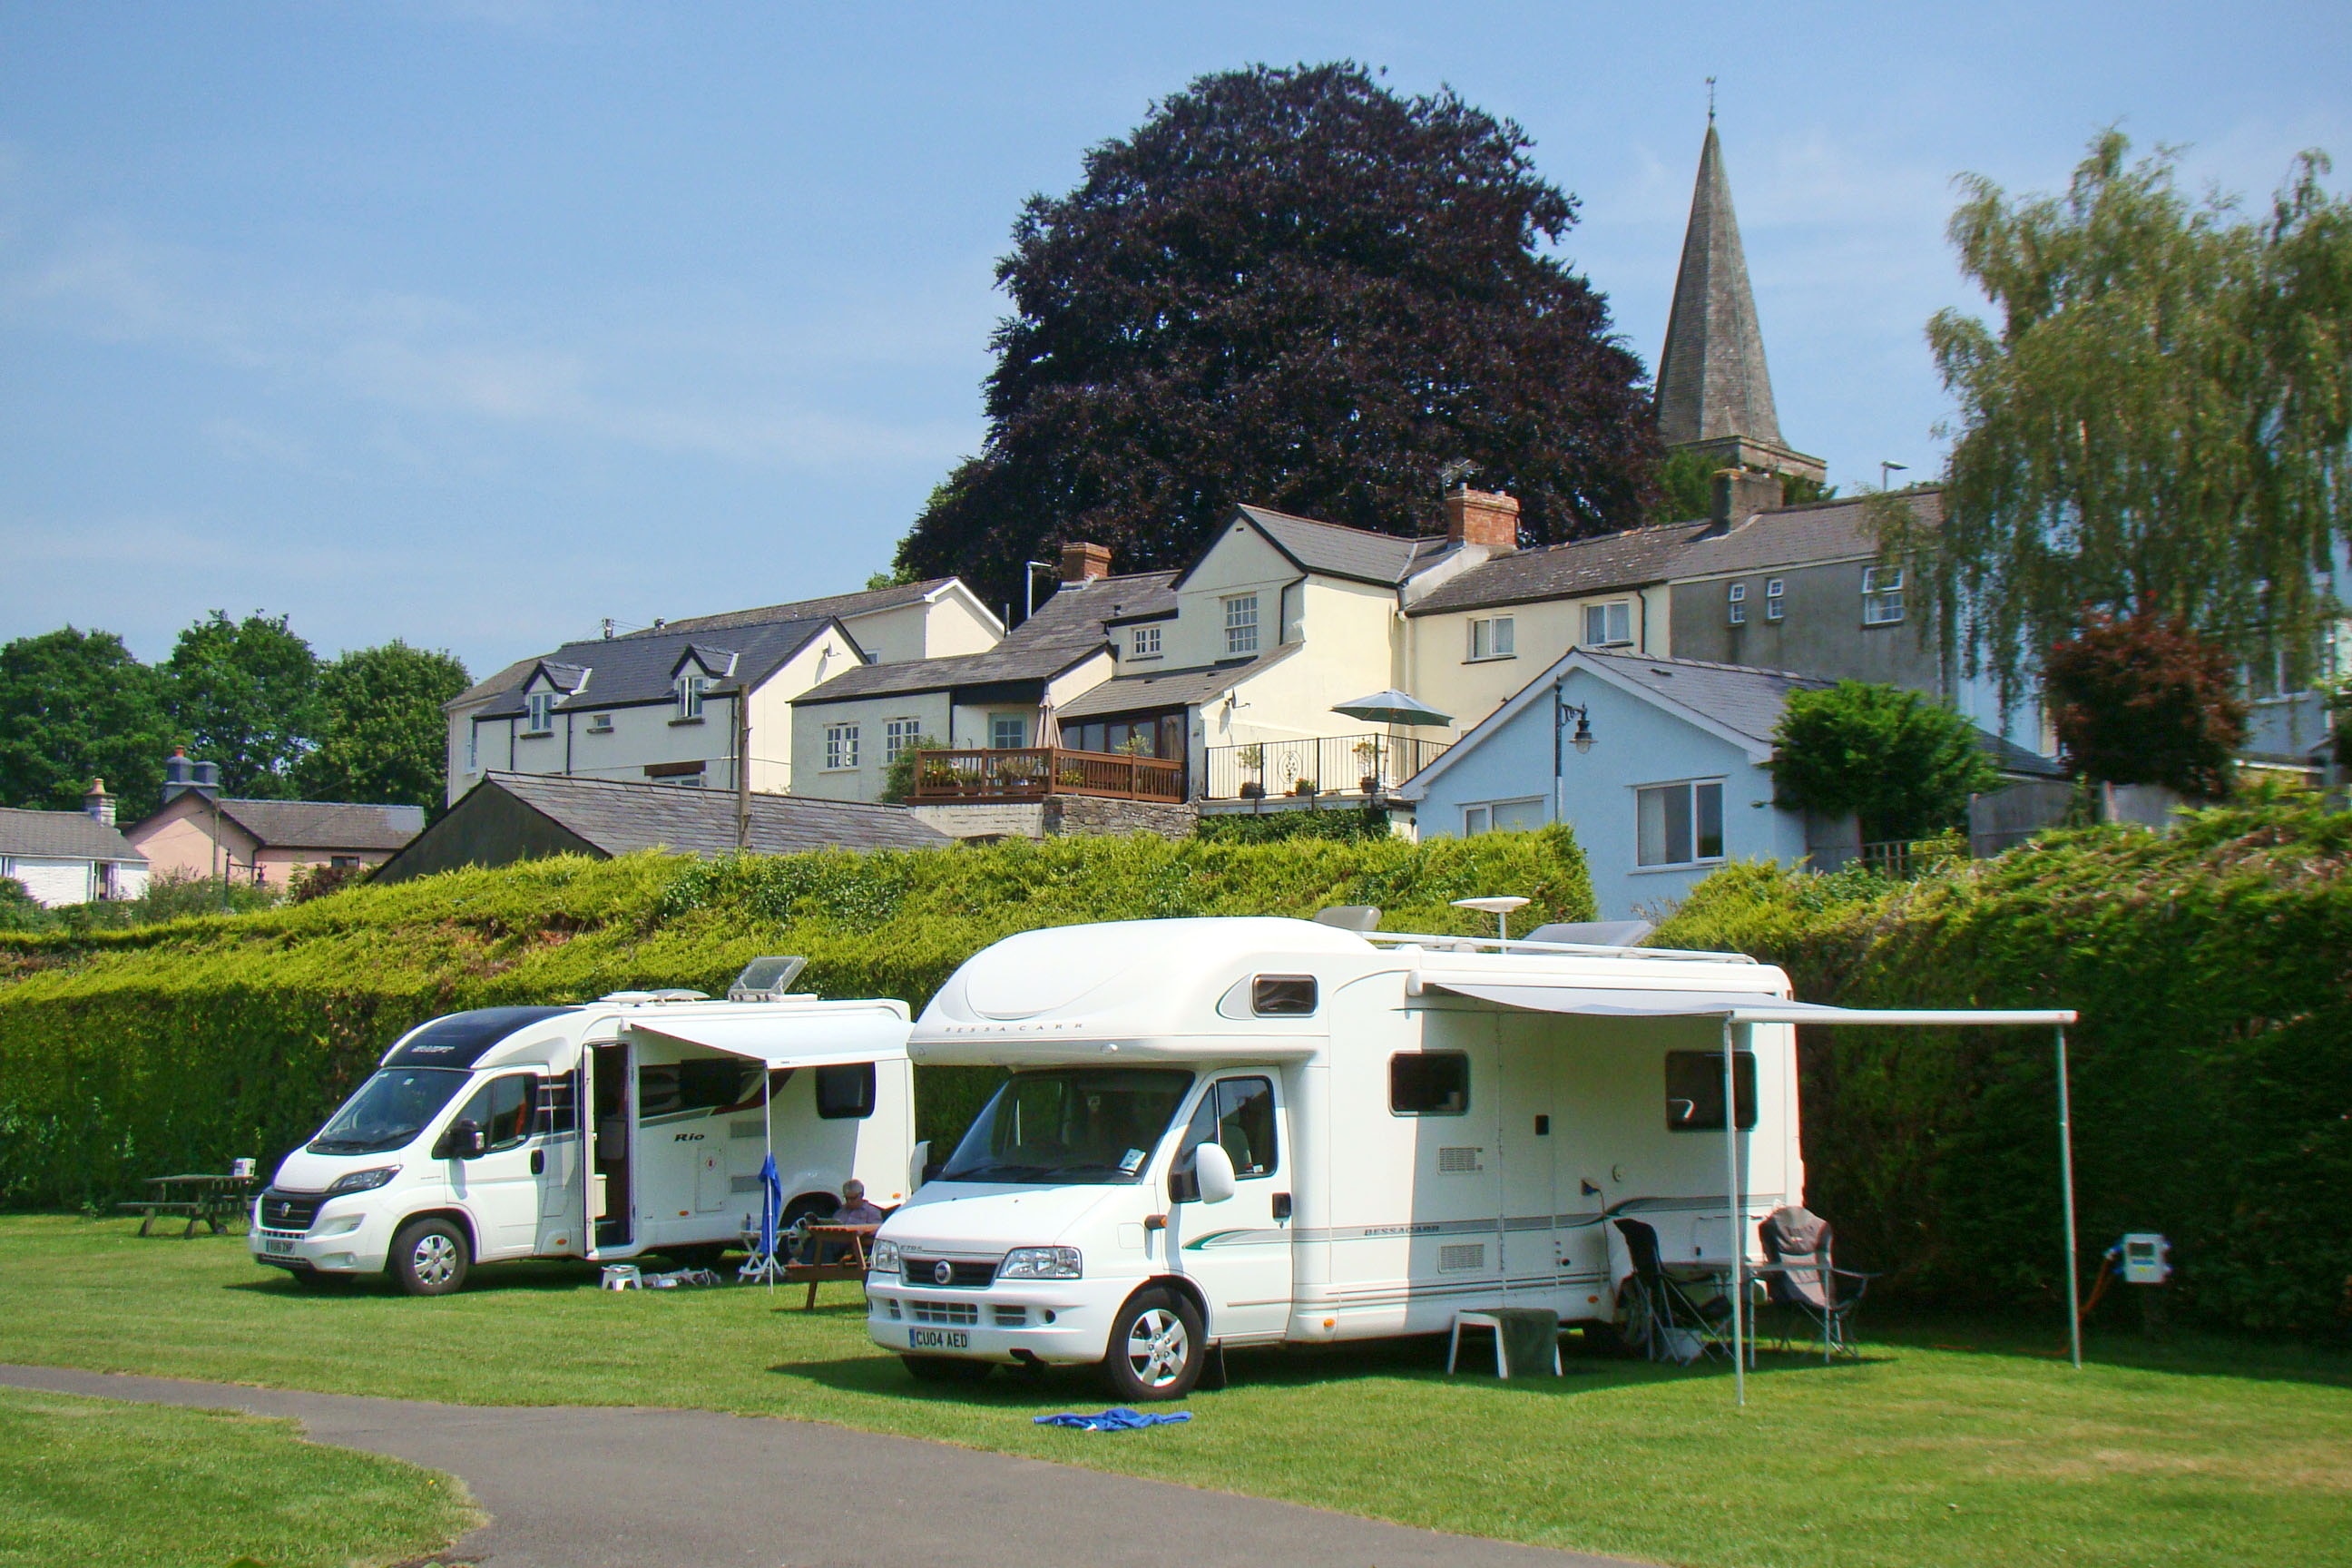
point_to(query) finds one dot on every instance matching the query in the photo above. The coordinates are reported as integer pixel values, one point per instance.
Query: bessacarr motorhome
(637, 1123)
(1253, 1130)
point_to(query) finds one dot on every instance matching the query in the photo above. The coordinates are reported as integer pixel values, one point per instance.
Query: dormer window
(1241, 624)
(538, 714)
(690, 687)
(1147, 642)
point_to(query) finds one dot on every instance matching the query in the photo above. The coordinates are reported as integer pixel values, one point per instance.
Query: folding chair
(1800, 1280)
(1660, 1316)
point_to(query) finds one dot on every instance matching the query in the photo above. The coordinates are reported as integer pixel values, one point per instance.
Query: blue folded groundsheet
(1120, 1420)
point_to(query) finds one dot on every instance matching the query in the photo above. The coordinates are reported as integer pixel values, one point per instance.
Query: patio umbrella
(772, 1207)
(1392, 706)
(1049, 723)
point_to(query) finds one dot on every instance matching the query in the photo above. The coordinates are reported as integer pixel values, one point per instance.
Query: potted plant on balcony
(1368, 757)
(1304, 788)
(1254, 759)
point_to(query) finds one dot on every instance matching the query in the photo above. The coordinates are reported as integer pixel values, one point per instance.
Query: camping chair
(1801, 1282)
(1660, 1315)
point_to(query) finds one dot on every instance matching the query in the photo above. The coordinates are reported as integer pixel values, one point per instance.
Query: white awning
(791, 1038)
(1736, 1006)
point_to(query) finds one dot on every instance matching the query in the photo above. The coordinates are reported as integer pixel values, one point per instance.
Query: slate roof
(1797, 536)
(63, 835)
(638, 668)
(325, 823)
(1162, 689)
(620, 817)
(1065, 630)
(1336, 549)
(1712, 380)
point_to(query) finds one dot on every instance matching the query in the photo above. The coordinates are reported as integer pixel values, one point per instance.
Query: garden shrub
(2211, 1069)
(128, 1052)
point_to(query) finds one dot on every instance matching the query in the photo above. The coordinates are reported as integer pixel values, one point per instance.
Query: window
(473, 746)
(504, 1108)
(840, 746)
(1008, 731)
(343, 862)
(1238, 1113)
(1694, 1090)
(690, 687)
(1881, 595)
(1776, 599)
(704, 1083)
(1738, 600)
(1282, 995)
(1147, 642)
(1241, 624)
(1609, 626)
(558, 1106)
(600, 723)
(538, 714)
(898, 736)
(845, 1093)
(1492, 637)
(1679, 823)
(1429, 1083)
(1093, 1125)
(1502, 816)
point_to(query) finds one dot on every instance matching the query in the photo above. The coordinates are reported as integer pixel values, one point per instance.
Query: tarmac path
(624, 1487)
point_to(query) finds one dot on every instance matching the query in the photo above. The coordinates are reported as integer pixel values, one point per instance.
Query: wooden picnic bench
(853, 1267)
(204, 1199)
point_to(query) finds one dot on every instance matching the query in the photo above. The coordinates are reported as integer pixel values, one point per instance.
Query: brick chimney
(1082, 564)
(1483, 516)
(1741, 494)
(98, 804)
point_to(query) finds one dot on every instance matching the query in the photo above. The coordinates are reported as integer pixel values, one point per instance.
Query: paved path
(588, 1488)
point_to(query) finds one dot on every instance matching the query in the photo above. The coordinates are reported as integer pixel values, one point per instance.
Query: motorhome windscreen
(1075, 1124)
(390, 1109)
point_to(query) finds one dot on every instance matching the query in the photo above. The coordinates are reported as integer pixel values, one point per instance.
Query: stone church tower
(1715, 396)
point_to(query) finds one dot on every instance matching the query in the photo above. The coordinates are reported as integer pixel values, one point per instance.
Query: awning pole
(2066, 1184)
(1731, 1184)
(768, 1137)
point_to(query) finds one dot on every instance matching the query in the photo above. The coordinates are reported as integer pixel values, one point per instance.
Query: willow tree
(2158, 426)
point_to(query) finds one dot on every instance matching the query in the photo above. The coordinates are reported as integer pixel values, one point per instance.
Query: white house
(72, 856)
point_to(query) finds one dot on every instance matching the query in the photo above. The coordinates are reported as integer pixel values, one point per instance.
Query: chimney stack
(1483, 516)
(1082, 564)
(1741, 494)
(98, 804)
(182, 776)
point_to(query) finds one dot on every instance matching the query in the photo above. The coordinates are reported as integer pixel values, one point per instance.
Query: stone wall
(1062, 813)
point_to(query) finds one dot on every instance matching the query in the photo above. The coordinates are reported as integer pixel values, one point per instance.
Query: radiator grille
(962, 1275)
(289, 1211)
(1460, 1257)
(954, 1314)
(1012, 1317)
(1458, 1161)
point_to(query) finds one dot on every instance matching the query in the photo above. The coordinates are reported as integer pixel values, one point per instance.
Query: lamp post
(1886, 468)
(1562, 710)
(1029, 585)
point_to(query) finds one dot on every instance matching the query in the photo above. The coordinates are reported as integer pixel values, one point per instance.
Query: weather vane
(1710, 100)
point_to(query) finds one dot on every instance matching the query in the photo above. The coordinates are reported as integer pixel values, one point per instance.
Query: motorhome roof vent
(633, 998)
(1350, 917)
(767, 979)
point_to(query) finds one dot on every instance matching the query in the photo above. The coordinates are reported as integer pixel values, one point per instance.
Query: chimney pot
(98, 804)
(1483, 516)
(1741, 493)
(1083, 563)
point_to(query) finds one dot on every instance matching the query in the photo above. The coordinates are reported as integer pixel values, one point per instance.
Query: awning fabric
(791, 1038)
(1738, 1006)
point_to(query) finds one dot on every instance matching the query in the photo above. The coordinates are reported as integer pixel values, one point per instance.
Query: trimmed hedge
(130, 1053)
(2211, 1069)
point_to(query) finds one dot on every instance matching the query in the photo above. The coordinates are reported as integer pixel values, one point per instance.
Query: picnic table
(205, 1199)
(853, 1267)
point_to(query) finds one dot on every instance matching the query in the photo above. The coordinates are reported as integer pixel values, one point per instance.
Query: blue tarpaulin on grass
(1120, 1420)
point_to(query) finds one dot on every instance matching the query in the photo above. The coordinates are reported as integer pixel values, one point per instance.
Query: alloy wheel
(1157, 1347)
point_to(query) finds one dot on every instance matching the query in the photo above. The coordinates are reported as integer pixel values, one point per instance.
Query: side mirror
(466, 1141)
(1212, 1172)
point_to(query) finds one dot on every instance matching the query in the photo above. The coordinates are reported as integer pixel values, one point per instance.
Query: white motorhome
(1252, 1132)
(637, 1123)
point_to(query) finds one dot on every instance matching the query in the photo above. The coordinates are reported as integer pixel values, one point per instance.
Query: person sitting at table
(854, 1210)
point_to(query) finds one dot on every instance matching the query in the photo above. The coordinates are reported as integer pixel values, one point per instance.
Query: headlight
(1040, 1263)
(363, 1180)
(883, 1258)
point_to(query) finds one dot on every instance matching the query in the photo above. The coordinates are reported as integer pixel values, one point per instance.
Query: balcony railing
(1032, 773)
(1324, 765)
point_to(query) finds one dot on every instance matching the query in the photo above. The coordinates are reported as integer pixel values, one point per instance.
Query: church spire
(1715, 394)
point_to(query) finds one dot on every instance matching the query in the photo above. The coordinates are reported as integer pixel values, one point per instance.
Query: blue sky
(476, 322)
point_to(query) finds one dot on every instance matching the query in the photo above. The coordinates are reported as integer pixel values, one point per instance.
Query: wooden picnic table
(205, 1200)
(855, 1236)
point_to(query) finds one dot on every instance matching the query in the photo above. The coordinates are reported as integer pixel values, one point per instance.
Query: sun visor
(1738, 1006)
(790, 1038)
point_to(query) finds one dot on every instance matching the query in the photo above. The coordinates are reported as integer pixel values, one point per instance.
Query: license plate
(938, 1339)
(276, 1248)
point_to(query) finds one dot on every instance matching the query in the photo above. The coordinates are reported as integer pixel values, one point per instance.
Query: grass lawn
(105, 1485)
(1947, 1445)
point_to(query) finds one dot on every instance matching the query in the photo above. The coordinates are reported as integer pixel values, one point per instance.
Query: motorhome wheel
(430, 1258)
(946, 1369)
(1156, 1349)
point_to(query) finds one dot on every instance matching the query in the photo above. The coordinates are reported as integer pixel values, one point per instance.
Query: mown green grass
(100, 1484)
(1953, 1445)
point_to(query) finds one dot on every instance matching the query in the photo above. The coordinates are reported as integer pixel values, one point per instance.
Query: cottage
(265, 842)
(72, 856)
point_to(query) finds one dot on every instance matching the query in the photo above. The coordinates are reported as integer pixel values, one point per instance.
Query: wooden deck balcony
(1033, 773)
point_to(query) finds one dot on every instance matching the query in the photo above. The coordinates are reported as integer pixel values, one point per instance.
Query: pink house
(265, 842)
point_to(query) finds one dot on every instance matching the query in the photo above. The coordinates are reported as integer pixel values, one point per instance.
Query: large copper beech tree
(1294, 287)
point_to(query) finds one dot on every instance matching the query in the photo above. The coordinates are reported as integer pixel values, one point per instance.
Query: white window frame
(1776, 600)
(996, 723)
(1479, 817)
(473, 745)
(1881, 595)
(1493, 636)
(1609, 610)
(898, 737)
(1147, 642)
(1241, 624)
(538, 714)
(600, 723)
(690, 687)
(1690, 788)
(1735, 603)
(840, 748)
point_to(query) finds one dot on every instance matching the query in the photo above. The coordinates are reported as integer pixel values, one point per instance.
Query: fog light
(340, 1260)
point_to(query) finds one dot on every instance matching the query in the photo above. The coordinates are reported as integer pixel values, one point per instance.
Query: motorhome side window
(707, 1084)
(1238, 1113)
(505, 1108)
(1694, 1090)
(559, 1108)
(846, 1092)
(1282, 995)
(1429, 1083)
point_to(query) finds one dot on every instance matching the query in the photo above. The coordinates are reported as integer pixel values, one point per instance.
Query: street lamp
(1562, 710)
(1029, 585)
(1886, 468)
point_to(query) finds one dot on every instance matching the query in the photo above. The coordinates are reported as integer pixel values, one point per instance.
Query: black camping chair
(1801, 1282)
(1660, 1315)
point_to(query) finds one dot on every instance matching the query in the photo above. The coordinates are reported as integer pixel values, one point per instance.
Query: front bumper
(333, 1243)
(1062, 1322)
